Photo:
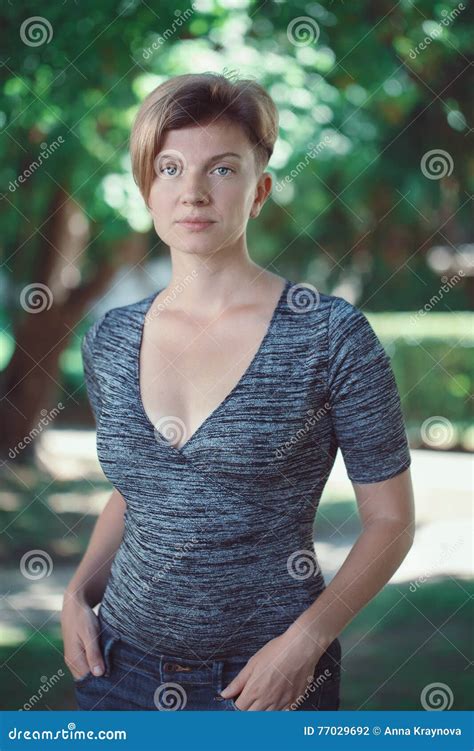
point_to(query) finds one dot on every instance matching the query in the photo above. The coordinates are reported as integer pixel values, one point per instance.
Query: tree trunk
(48, 317)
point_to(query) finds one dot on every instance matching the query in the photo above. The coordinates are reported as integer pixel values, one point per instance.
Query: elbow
(410, 529)
(406, 535)
(400, 531)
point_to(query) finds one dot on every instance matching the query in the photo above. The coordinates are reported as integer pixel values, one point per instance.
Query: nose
(194, 190)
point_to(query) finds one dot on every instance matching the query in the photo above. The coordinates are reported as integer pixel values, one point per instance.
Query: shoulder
(346, 318)
(333, 311)
(117, 323)
(332, 323)
(350, 333)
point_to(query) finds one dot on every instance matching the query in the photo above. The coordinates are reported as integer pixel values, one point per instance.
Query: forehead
(204, 140)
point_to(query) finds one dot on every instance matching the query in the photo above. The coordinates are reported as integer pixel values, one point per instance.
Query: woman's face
(206, 172)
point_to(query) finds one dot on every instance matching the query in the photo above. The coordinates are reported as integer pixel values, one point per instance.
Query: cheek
(233, 202)
(160, 197)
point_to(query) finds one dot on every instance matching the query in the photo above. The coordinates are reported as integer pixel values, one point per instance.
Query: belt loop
(161, 658)
(217, 669)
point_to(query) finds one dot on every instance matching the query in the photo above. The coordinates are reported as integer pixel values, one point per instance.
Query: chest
(215, 400)
(187, 370)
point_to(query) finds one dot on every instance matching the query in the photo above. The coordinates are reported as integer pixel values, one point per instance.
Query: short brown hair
(200, 98)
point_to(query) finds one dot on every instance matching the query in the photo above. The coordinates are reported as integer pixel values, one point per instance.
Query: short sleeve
(92, 385)
(365, 403)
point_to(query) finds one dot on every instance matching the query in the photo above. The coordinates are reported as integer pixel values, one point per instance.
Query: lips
(195, 220)
(196, 224)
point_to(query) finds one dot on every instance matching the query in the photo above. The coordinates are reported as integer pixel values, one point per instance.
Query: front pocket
(83, 678)
(234, 706)
(329, 696)
(106, 642)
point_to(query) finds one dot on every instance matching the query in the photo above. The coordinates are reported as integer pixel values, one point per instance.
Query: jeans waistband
(194, 663)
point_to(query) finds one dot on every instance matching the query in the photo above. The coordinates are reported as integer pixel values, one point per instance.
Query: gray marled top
(217, 556)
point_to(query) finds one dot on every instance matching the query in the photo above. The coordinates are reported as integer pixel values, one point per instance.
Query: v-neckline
(157, 434)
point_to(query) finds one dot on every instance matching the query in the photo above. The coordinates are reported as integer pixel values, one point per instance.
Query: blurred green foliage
(357, 79)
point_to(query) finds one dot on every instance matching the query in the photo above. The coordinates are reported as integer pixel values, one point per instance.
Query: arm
(368, 427)
(278, 673)
(387, 514)
(78, 620)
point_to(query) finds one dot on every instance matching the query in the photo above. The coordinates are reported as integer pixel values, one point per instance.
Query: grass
(391, 651)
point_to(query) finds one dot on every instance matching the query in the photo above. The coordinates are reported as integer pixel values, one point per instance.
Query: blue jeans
(135, 680)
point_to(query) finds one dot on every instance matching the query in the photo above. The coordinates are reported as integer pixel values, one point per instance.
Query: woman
(220, 403)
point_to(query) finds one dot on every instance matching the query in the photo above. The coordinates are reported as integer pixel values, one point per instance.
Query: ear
(262, 191)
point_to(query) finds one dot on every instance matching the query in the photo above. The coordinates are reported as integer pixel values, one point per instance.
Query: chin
(194, 243)
(196, 248)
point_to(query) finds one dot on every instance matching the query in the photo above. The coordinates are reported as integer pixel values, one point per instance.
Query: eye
(224, 168)
(171, 166)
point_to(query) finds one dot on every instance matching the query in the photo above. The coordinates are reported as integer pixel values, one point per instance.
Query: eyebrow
(221, 156)
(215, 157)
